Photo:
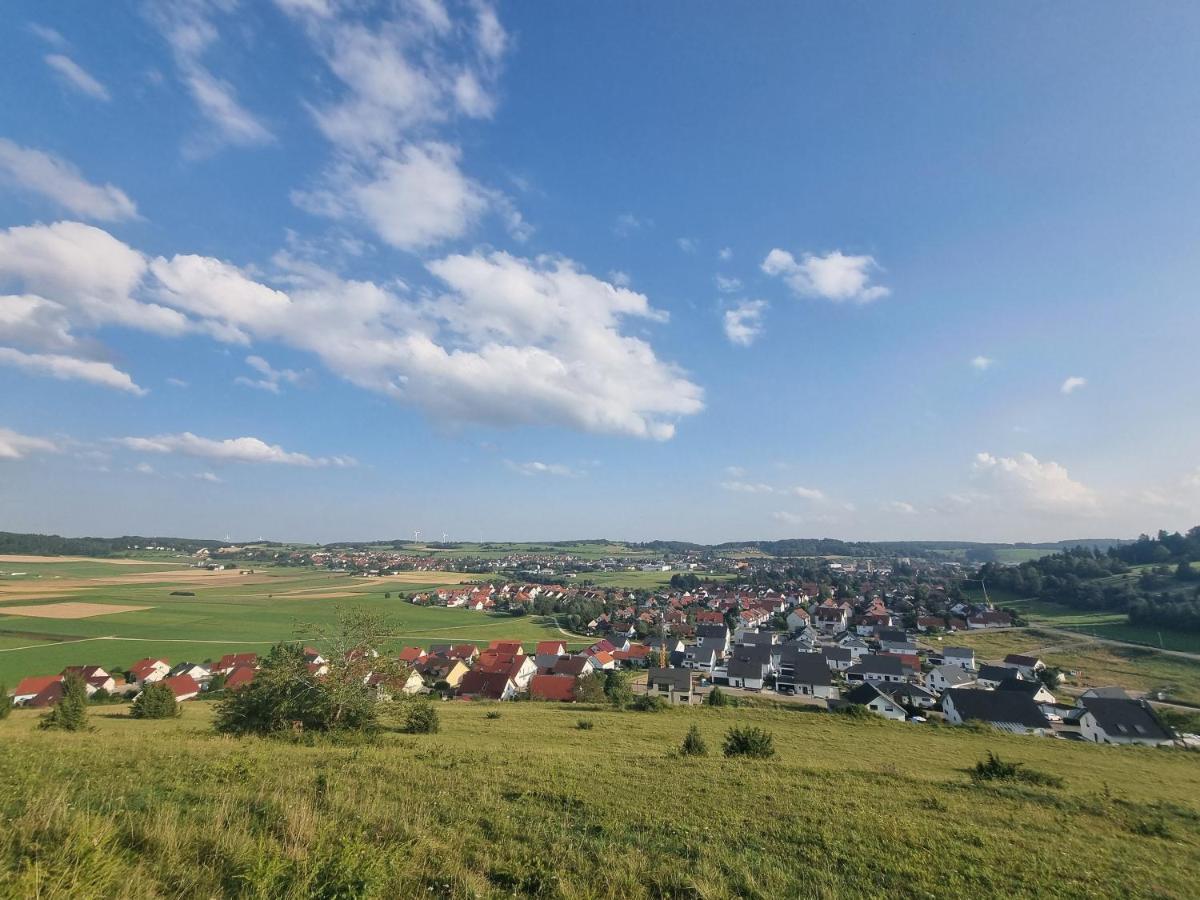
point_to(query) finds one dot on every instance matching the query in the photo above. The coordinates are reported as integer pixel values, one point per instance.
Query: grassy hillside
(528, 804)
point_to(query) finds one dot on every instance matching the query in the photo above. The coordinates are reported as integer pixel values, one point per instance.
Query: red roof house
(560, 688)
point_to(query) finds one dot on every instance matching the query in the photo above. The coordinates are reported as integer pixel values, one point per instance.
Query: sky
(323, 270)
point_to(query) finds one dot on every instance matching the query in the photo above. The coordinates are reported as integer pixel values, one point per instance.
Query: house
(574, 666)
(1115, 720)
(550, 648)
(477, 685)
(1111, 692)
(805, 674)
(603, 659)
(989, 619)
(437, 669)
(637, 656)
(716, 636)
(559, 688)
(231, 661)
(839, 659)
(29, 688)
(798, 619)
(747, 671)
(908, 695)
(672, 685)
(1028, 666)
(1006, 710)
(196, 671)
(95, 678)
(184, 687)
(895, 642)
(991, 676)
(876, 667)
(410, 656)
(856, 645)
(872, 698)
(148, 671)
(963, 657)
(949, 676)
(1034, 689)
(704, 658)
(519, 668)
(831, 619)
(239, 677)
(47, 696)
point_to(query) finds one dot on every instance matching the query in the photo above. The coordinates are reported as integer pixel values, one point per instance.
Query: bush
(492, 714)
(854, 711)
(5, 701)
(590, 689)
(422, 718)
(693, 743)
(995, 769)
(585, 724)
(70, 714)
(756, 743)
(648, 703)
(156, 701)
(617, 689)
(716, 697)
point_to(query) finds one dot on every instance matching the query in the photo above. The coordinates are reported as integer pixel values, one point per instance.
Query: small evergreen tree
(756, 743)
(156, 701)
(617, 689)
(693, 744)
(716, 697)
(70, 713)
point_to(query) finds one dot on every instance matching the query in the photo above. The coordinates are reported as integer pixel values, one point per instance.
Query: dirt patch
(68, 610)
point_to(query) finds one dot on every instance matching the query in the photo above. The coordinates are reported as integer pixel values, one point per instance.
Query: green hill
(528, 804)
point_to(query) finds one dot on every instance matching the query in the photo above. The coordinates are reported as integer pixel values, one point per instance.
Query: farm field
(528, 804)
(227, 613)
(640, 580)
(1135, 668)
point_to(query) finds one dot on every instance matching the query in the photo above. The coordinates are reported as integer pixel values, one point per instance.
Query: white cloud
(982, 363)
(747, 487)
(43, 173)
(744, 323)
(1038, 486)
(735, 471)
(725, 254)
(77, 77)
(728, 285)
(207, 476)
(1072, 384)
(789, 518)
(542, 468)
(805, 493)
(187, 26)
(144, 469)
(619, 278)
(271, 379)
(47, 34)
(177, 382)
(686, 244)
(69, 368)
(416, 200)
(627, 223)
(835, 276)
(14, 445)
(242, 449)
(900, 507)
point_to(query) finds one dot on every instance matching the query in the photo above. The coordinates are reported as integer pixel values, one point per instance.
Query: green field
(639, 580)
(529, 805)
(226, 617)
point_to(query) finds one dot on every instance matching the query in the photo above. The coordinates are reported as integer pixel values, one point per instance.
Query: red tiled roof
(552, 687)
(182, 686)
(36, 684)
(239, 677)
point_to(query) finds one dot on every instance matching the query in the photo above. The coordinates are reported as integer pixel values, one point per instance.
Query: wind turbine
(416, 536)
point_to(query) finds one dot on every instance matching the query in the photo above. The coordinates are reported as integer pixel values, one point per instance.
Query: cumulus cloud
(14, 445)
(43, 173)
(900, 507)
(756, 487)
(542, 468)
(1044, 487)
(1072, 384)
(207, 476)
(242, 449)
(76, 77)
(270, 379)
(744, 323)
(69, 368)
(982, 363)
(834, 276)
(728, 285)
(747, 487)
(627, 224)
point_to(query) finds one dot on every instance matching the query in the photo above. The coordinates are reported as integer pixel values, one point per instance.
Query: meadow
(227, 613)
(528, 804)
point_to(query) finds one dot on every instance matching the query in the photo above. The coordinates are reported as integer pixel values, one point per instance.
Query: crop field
(528, 804)
(197, 615)
(640, 580)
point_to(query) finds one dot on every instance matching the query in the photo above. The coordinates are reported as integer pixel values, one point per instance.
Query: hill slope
(528, 804)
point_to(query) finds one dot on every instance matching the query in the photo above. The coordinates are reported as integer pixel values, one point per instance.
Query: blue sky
(311, 269)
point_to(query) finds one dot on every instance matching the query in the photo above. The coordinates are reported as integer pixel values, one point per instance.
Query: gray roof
(1126, 718)
(758, 639)
(712, 631)
(893, 636)
(900, 691)
(837, 654)
(959, 651)
(1020, 686)
(678, 679)
(999, 707)
(758, 654)
(805, 668)
(863, 694)
(995, 673)
(878, 664)
(955, 675)
(740, 667)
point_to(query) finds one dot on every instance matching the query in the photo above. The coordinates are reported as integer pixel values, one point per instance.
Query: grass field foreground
(529, 804)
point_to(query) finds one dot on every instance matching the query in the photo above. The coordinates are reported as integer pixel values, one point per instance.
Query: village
(679, 647)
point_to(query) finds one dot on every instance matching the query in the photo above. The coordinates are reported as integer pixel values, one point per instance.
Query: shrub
(585, 724)
(854, 711)
(617, 689)
(590, 689)
(492, 714)
(5, 701)
(756, 743)
(70, 714)
(156, 701)
(716, 697)
(282, 698)
(995, 769)
(693, 743)
(422, 718)
(648, 703)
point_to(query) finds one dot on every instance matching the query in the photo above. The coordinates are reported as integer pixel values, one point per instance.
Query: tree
(617, 689)
(693, 744)
(5, 701)
(716, 697)
(70, 713)
(283, 695)
(156, 701)
(756, 743)
(590, 689)
(421, 718)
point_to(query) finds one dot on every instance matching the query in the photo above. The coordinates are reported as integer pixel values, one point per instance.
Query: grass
(531, 805)
(227, 615)
(642, 580)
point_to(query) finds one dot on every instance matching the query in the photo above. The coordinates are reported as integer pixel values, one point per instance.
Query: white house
(869, 696)
(1113, 720)
(949, 676)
